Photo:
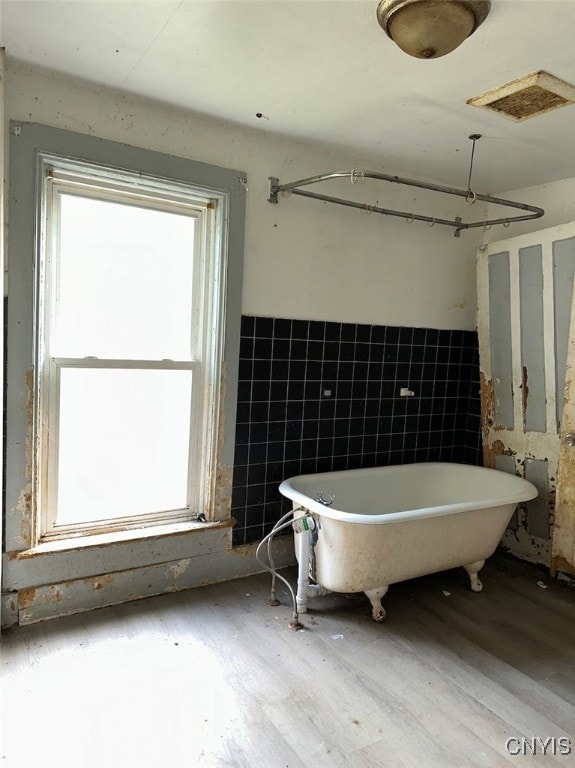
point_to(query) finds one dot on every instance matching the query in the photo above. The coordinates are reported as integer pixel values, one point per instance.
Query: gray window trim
(26, 141)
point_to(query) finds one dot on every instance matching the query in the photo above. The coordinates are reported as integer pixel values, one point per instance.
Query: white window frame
(61, 175)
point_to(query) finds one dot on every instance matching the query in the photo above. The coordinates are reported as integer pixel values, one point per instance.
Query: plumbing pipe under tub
(303, 528)
(303, 543)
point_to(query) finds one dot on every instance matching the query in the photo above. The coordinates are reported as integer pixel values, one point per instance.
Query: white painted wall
(556, 198)
(303, 259)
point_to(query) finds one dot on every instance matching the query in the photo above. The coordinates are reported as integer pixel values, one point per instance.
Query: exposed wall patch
(527, 96)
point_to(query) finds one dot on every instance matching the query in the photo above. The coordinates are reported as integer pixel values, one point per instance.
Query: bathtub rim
(525, 491)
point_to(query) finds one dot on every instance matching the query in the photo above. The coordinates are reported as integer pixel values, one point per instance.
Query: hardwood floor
(213, 677)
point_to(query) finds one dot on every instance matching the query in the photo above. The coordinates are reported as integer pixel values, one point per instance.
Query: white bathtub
(389, 524)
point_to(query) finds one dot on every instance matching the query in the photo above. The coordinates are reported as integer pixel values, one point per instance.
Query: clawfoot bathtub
(376, 527)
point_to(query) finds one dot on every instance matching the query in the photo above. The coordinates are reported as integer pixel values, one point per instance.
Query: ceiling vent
(527, 97)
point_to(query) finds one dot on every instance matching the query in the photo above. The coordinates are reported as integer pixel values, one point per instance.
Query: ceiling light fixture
(428, 29)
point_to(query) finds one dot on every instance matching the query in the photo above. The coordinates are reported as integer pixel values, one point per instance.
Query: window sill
(120, 537)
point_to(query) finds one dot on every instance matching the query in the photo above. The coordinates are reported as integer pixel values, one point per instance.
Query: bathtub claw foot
(473, 569)
(374, 596)
(476, 585)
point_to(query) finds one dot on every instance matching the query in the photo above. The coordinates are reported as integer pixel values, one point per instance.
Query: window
(129, 306)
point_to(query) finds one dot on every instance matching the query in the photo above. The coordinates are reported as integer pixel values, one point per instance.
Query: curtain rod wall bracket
(458, 224)
(274, 186)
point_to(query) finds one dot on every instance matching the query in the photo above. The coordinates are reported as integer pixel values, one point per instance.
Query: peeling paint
(221, 503)
(508, 376)
(11, 605)
(26, 597)
(491, 450)
(54, 596)
(62, 598)
(98, 582)
(499, 449)
(524, 391)
(30, 424)
(526, 547)
(563, 546)
(563, 542)
(180, 567)
(25, 505)
(487, 416)
(551, 500)
(498, 441)
(24, 509)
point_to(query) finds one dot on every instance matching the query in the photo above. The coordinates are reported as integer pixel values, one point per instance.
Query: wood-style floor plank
(214, 678)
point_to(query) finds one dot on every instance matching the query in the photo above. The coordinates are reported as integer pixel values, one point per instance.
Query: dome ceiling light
(428, 29)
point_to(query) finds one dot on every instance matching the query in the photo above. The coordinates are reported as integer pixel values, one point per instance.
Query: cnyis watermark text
(539, 745)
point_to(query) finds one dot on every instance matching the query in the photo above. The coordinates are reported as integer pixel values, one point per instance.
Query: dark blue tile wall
(473, 447)
(320, 396)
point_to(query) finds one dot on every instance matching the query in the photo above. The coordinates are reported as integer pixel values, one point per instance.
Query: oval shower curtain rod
(355, 176)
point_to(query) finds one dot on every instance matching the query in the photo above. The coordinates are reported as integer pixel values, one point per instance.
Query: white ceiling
(323, 71)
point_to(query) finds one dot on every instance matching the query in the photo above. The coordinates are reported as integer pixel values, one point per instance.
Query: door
(563, 543)
(2, 150)
(525, 293)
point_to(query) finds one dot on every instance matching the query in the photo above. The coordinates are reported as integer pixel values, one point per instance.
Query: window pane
(123, 444)
(125, 282)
